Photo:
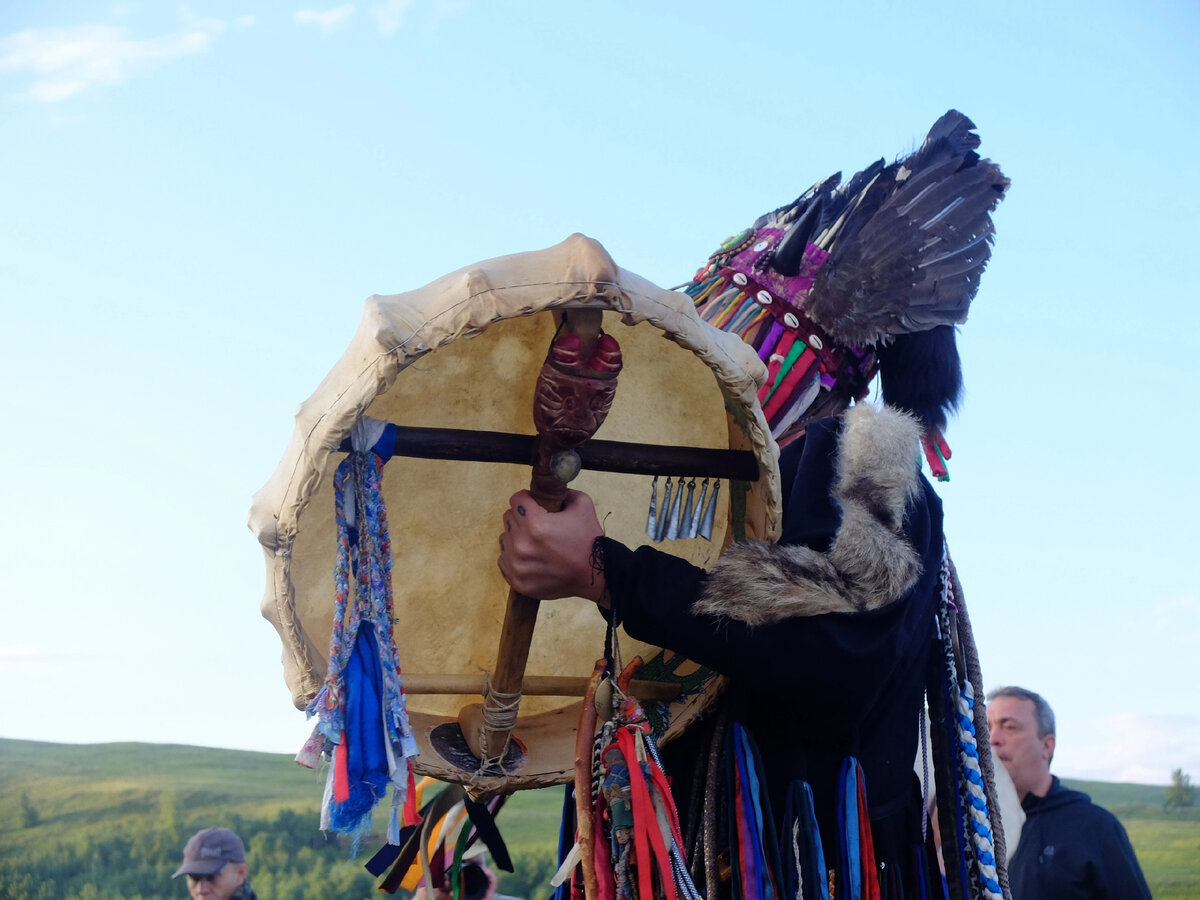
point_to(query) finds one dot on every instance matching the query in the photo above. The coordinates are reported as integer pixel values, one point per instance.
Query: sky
(196, 200)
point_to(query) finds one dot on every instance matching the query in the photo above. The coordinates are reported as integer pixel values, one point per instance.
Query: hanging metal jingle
(676, 511)
(685, 520)
(652, 516)
(660, 530)
(710, 513)
(693, 527)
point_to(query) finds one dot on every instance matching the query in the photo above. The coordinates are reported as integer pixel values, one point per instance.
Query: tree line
(288, 858)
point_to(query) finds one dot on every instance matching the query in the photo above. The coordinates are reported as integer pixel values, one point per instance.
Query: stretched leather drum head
(464, 352)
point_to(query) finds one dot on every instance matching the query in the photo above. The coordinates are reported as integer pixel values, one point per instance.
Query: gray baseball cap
(208, 850)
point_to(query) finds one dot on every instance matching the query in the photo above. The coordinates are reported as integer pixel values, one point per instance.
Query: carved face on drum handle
(568, 409)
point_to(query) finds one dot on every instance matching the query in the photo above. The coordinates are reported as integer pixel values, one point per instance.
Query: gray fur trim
(870, 564)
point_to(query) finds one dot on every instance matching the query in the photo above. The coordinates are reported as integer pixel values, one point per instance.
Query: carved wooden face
(567, 409)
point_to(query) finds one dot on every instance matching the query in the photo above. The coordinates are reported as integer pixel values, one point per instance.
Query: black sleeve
(833, 659)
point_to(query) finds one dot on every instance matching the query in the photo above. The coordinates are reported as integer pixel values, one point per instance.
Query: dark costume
(833, 637)
(826, 653)
(1071, 849)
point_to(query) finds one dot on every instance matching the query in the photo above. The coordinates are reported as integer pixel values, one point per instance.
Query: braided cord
(375, 594)
(972, 788)
(328, 704)
(986, 763)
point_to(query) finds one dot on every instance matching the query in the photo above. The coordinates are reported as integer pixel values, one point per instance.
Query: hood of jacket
(1058, 796)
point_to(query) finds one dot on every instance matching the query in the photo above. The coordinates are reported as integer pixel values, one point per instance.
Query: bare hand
(549, 555)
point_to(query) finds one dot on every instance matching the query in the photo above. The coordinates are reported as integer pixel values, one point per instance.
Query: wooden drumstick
(574, 393)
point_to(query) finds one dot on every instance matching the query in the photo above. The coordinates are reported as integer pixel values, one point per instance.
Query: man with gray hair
(1069, 847)
(214, 861)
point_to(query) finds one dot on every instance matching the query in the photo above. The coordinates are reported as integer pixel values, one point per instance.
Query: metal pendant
(685, 520)
(710, 513)
(661, 530)
(652, 516)
(693, 528)
(676, 510)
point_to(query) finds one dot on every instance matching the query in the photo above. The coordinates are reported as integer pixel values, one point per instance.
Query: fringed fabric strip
(804, 873)
(361, 709)
(754, 848)
(860, 880)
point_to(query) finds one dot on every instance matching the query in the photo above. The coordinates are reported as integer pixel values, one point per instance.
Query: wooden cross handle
(574, 393)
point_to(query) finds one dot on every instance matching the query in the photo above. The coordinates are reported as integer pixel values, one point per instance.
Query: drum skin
(464, 352)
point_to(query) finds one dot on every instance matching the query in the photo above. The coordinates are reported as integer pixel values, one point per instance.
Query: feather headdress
(871, 275)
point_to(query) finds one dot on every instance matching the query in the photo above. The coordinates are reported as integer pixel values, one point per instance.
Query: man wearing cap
(214, 862)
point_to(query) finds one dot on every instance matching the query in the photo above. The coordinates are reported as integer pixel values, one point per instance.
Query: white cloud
(447, 9)
(391, 14)
(244, 21)
(327, 20)
(197, 22)
(1177, 621)
(1133, 747)
(65, 62)
(19, 656)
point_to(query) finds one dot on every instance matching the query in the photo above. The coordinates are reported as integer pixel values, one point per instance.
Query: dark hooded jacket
(1071, 849)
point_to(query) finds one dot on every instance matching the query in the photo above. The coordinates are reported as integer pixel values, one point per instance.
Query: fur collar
(870, 563)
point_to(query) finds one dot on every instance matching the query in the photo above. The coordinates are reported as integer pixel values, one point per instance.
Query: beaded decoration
(738, 291)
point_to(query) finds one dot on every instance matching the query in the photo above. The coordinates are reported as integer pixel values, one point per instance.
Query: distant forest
(109, 821)
(289, 859)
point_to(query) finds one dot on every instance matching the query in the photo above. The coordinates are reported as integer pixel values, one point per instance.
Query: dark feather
(785, 215)
(912, 248)
(790, 251)
(907, 244)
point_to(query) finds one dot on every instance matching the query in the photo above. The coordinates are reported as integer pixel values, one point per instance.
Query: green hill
(108, 822)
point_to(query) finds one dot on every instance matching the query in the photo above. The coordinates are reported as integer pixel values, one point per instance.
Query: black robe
(812, 690)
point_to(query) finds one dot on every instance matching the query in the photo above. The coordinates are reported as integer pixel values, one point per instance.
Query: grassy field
(81, 792)
(109, 784)
(81, 786)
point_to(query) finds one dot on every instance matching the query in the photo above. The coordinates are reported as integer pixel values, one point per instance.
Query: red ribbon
(866, 846)
(645, 824)
(341, 774)
(412, 816)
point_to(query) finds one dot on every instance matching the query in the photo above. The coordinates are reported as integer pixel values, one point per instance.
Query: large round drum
(464, 353)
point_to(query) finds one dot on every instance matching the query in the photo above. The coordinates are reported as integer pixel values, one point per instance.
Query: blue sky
(196, 200)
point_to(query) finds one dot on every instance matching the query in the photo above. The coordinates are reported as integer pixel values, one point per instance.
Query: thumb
(578, 500)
